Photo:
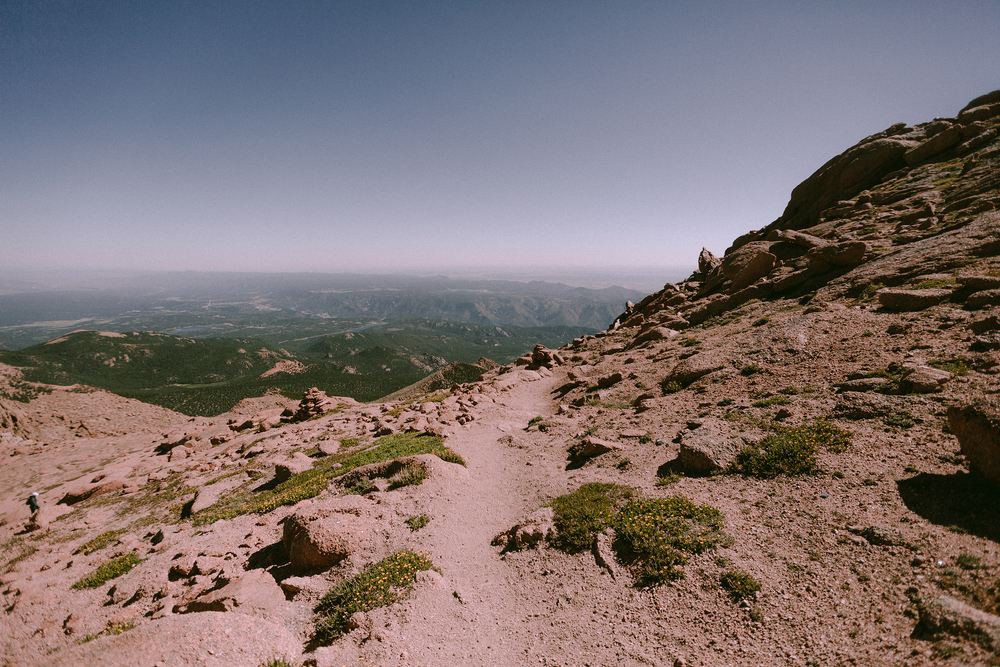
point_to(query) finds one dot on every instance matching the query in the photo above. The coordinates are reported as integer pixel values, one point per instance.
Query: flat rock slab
(695, 367)
(212, 639)
(908, 300)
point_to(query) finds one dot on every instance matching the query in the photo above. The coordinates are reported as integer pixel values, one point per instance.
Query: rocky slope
(829, 386)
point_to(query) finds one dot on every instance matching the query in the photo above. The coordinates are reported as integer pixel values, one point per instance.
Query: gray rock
(865, 384)
(930, 147)
(923, 380)
(798, 238)
(979, 283)
(609, 380)
(908, 300)
(591, 446)
(846, 253)
(318, 538)
(707, 262)
(977, 427)
(298, 464)
(856, 405)
(945, 616)
(710, 447)
(695, 367)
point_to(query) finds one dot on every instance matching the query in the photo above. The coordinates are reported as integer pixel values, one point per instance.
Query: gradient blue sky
(432, 136)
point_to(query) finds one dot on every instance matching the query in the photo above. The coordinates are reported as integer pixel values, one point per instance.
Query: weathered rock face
(902, 299)
(695, 367)
(945, 616)
(977, 427)
(317, 537)
(854, 170)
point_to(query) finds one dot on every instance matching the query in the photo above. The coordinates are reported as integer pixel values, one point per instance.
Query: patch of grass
(115, 567)
(726, 401)
(315, 480)
(806, 298)
(24, 551)
(956, 366)
(935, 283)
(662, 532)
(761, 321)
(110, 630)
(667, 480)
(968, 562)
(533, 421)
(99, 542)
(417, 522)
(671, 387)
(751, 369)
(910, 468)
(378, 585)
(580, 515)
(789, 391)
(624, 464)
(449, 455)
(868, 481)
(740, 585)
(790, 450)
(410, 475)
(690, 342)
(838, 475)
(774, 400)
(645, 439)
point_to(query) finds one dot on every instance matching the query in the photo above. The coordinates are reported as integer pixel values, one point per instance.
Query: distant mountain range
(34, 309)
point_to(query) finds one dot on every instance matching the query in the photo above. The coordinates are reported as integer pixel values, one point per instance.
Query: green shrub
(791, 451)
(869, 291)
(726, 401)
(108, 571)
(739, 584)
(378, 585)
(580, 515)
(761, 321)
(417, 522)
(671, 387)
(750, 369)
(806, 298)
(689, 342)
(110, 630)
(789, 391)
(900, 419)
(661, 532)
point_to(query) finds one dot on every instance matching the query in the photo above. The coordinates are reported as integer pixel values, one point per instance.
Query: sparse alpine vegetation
(378, 585)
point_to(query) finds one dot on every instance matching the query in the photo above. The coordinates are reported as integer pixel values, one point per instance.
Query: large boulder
(990, 297)
(710, 446)
(846, 253)
(977, 427)
(319, 536)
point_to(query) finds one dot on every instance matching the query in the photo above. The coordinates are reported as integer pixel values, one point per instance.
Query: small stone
(824, 495)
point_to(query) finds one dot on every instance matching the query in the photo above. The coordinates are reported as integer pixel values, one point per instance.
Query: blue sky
(436, 136)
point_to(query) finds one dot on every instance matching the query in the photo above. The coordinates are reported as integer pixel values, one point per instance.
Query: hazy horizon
(584, 139)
